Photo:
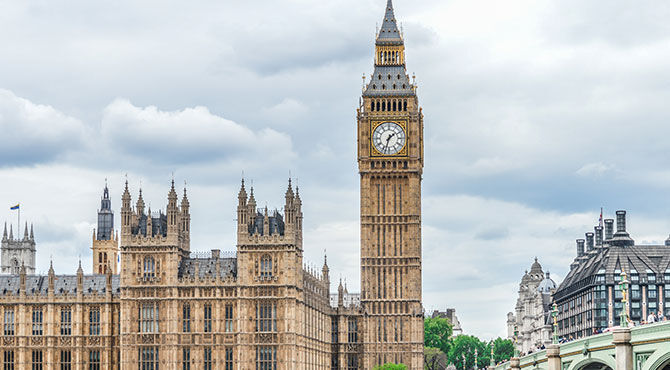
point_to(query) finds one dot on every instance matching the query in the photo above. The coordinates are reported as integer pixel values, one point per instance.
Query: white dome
(546, 285)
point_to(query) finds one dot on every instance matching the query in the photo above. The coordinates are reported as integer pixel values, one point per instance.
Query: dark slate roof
(610, 260)
(207, 267)
(63, 284)
(388, 33)
(385, 87)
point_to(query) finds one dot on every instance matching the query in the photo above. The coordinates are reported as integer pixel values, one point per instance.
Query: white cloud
(594, 169)
(34, 133)
(187, 135)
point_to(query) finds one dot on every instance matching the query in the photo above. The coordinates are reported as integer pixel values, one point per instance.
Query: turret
(172, 212)
(22, 279)
(4, 234)
(52, 278)
(185, 219)
(126, 212)
(80, 279)
(289, 210)
(25, 232)
(340, 295)
(243, 211)
(325, 271)
(11, 233)
(266, 222)
(106, 216)
(139, 207)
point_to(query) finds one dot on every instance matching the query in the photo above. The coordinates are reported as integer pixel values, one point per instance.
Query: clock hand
(388, 139)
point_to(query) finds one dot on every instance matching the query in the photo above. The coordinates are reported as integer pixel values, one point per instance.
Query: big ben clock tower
(390, 162)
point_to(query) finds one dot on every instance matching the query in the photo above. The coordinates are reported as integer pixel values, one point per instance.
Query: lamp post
(623, 285)
(463, 356)
(492, 362)
(475, 365)
(516, 339)
(554, 314)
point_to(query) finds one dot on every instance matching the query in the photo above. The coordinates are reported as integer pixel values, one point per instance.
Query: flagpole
(18, 227)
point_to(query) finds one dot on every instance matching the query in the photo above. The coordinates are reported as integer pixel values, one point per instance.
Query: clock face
(389, 138)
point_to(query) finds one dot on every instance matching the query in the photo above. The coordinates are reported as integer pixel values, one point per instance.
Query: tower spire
(389, 30)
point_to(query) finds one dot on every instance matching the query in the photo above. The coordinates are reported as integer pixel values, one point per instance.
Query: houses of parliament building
(151, 303)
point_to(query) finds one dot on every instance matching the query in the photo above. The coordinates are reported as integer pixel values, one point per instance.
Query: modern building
(15, 253)
(531, 318)
(590, 297)
(450, 314)
(256, 306)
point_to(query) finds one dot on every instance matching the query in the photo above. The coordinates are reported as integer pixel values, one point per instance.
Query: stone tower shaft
(390, 186)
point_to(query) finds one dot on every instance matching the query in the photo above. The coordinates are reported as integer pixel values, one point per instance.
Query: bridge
(644, 347)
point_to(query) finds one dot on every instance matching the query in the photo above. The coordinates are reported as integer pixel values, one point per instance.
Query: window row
(37, 322)
(388, 105)
(10, 360)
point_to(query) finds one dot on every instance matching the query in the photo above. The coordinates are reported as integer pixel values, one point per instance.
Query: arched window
(377, 106)
(149, 267)
(405, 105)
(383, 106)
(372, 106)
(394, 103)
(16, 269)
(266, 266)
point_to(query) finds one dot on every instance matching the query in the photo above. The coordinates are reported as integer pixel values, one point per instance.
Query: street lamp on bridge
(554, 314)
(623, 285)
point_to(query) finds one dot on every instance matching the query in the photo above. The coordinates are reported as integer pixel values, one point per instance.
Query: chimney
(609, 229)
(599, 236)
(621, 221)
(216, 253)
(589, 241)
(580, 247)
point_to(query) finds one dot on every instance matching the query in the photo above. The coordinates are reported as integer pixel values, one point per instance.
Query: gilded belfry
(390, 163)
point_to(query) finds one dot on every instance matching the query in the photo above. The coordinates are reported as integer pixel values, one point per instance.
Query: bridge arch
(593, 362)
(659, 360)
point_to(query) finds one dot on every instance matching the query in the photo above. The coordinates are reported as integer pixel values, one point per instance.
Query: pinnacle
(389, 30)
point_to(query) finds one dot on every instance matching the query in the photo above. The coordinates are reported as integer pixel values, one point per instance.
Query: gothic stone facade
(532, 314)
(18, 252)
(258, 308)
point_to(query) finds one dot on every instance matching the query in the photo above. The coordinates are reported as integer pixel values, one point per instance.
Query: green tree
(464, 347)
(390, 366)
(437, 333)
(503, 349)
(434, 359)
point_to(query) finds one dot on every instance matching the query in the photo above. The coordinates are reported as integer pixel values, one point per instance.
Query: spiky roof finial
(389, 31)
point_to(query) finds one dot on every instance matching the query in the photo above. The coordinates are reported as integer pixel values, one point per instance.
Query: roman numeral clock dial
(389, 138)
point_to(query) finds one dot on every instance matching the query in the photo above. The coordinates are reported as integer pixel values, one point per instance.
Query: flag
(15, 207)
(600, 220)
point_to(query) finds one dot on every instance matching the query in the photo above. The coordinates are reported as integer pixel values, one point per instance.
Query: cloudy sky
(537, 114)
